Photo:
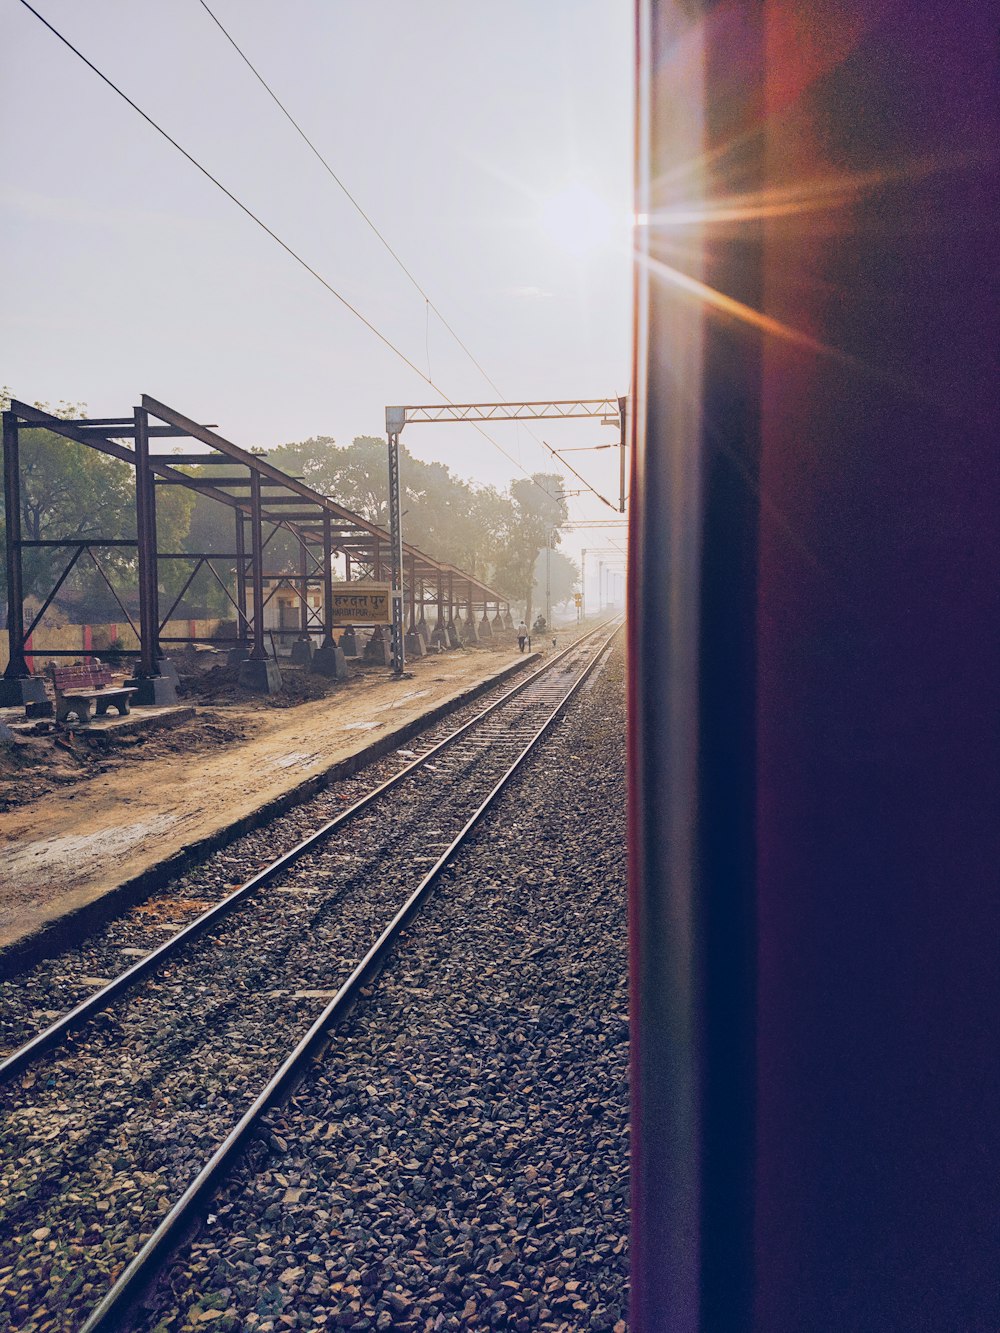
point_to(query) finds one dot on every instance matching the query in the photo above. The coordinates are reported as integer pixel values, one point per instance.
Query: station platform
(81, 852)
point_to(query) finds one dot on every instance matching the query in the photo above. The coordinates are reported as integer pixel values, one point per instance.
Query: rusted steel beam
(257, 652)
(241, 576)
(17, 667)
(145, 526)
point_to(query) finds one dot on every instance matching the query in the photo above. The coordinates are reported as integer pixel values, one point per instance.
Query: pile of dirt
(49, 759)
(220, 686)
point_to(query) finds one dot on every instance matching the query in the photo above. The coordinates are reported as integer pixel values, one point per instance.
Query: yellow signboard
(361, 603)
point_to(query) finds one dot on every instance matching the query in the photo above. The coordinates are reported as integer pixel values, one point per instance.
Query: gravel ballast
(38, 995)
(460, 1157)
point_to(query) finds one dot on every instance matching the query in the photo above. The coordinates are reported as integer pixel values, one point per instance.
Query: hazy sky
(471, 132)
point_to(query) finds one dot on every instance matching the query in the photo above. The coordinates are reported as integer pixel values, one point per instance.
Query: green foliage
(495, 536)
(540, 513)
(70, 492)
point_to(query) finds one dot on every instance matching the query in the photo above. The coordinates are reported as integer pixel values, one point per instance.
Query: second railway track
(111, 1114)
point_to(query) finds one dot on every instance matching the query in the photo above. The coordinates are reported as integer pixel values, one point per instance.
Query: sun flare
(577, 220)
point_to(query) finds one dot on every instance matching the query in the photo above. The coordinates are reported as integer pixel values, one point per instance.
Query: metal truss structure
(263, 501)
(608, 409)
(611, 411)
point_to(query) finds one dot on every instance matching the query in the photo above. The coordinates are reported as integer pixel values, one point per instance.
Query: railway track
(121, 1118)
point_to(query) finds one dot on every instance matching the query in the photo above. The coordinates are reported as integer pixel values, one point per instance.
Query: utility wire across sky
(555, 453)
(244, 208)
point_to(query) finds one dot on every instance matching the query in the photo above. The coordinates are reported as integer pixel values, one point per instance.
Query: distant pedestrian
(522, 636)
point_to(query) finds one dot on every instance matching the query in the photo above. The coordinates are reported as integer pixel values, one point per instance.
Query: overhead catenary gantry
(264, 501)
(610, 411)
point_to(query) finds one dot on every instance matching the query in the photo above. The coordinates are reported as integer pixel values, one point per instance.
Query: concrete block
(17, 690)
(153, 691)
(330, 662)
(168, 670)
(378, 649)
(261, 674)
(302, 652)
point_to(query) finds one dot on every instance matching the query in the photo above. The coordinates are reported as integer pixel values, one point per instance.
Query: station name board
(361, 603)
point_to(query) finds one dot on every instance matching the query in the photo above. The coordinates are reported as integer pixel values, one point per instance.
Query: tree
(540, 513)
(70, 492)
(564, 577)
(442, 513)
(492, 534)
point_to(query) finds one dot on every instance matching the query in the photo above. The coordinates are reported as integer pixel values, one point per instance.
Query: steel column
(621, 455)
(396, 539)
(413, 593)
(241, 578)
(257, 652)
(327, 583)
(548, 581)
(17, 667)
(303, 589)
(145, 531)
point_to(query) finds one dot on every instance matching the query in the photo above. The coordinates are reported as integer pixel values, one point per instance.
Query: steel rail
(18, 1061)
(126, 1294)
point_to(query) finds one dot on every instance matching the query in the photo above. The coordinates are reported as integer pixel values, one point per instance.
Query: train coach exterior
(814, 662)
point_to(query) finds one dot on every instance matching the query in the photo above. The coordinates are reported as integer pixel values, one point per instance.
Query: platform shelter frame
(263, 500)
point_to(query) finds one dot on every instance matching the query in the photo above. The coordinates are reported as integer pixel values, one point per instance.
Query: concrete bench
(85, 689)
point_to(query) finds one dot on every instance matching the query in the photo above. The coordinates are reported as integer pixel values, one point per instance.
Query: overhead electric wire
(228, 193)
(584, 448)
(578, 477)
(274, 236)
(326, 165)
(428, 302)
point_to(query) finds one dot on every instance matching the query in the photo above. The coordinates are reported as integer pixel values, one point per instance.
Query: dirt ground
(78, 816)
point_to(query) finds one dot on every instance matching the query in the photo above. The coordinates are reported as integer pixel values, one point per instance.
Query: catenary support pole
(548, 581)
(621, 454)
(396, 539)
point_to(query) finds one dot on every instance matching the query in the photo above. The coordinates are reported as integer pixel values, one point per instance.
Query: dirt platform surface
(100, 816)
